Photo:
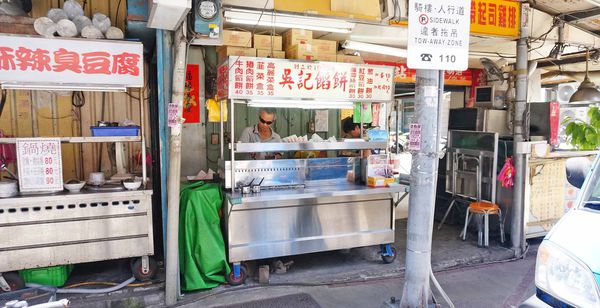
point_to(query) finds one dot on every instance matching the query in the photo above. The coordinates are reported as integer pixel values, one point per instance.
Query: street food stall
(45, 221)
(286, 207)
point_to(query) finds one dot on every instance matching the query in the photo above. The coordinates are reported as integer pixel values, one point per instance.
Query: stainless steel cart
(305, 205)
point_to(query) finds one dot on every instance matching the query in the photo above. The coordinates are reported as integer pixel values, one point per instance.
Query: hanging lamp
(587, 93)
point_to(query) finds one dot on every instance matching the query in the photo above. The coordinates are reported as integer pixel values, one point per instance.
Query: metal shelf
(83, 139)
(307, 146)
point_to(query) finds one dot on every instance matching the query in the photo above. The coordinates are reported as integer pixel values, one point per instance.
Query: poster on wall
(191, 98)
(40, 164)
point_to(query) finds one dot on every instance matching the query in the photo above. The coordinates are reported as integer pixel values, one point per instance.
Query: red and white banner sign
(70, 61)
(263, 78)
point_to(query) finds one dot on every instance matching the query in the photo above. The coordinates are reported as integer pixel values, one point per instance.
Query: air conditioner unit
(167, 14)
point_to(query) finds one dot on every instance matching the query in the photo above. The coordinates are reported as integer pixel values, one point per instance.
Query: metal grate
(90, 205)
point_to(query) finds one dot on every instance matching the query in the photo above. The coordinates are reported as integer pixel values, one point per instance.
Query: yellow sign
(495, 17)
(490, 17)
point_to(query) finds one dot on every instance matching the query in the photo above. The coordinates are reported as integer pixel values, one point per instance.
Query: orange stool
(484, 209)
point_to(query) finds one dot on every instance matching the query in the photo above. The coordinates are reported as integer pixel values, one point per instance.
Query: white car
(567, 272)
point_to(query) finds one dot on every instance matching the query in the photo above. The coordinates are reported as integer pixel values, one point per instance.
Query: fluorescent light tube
(63, 87)
(374, 48)
(268, 19)
(302, 104)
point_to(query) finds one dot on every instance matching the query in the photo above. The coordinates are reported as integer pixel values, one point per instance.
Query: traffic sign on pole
(438, 34)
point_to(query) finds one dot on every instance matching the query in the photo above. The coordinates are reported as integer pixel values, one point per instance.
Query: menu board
(265, 78)
(39, 163)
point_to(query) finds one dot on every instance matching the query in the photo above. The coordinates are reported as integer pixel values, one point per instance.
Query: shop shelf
(307, 146)
(49, 276)
(104, 131)
(83, 139)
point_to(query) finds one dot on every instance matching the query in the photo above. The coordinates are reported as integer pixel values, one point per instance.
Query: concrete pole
(173, 182)
(517, 232)
(421, 203)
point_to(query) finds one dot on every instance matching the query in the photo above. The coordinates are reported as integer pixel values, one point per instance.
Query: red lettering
(37, 60)
(323, 82)
(492, 14)
(306, 86)
(340, 81)
(66, 60)
(96, 63)
(512, 17)
(287, 79)
(481, 8)
(126, 64)
(502, 16)
(7, 61)
(473, 16)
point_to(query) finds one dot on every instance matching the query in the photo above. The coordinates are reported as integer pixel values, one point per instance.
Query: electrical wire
(117, 13)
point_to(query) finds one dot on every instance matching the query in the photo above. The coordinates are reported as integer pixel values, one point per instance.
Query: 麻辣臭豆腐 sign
(25, 59)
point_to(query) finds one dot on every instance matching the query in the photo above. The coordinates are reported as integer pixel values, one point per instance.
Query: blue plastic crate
(121, 131)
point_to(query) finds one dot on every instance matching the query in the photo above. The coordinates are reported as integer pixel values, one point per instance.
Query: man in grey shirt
(262, 132)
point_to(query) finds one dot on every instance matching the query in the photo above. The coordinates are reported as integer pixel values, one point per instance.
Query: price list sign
(438, 34)
(39, 162)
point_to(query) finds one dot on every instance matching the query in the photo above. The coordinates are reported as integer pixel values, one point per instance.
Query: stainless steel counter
(284, 222)
(331, 190)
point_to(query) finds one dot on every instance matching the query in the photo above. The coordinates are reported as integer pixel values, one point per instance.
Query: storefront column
(423, 181)
(517, 233)
(173, 181)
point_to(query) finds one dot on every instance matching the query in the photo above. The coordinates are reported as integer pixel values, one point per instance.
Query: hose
(439, 288)
(81, 290)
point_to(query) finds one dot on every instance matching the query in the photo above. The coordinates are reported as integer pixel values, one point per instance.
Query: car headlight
(564, 277)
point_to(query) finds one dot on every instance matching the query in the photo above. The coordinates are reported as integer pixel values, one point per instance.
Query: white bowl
(96, 178)
(132, 185)
(75, 187)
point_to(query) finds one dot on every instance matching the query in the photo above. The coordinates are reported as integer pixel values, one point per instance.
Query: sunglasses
(265, 122)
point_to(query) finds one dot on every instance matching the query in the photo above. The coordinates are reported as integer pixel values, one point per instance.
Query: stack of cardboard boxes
(268, 46)
(297, 43)
(236, 43)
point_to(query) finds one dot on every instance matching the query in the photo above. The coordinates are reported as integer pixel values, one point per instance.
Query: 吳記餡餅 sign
(262, 78)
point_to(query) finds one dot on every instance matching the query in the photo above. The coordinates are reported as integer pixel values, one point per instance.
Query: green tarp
(202, 259)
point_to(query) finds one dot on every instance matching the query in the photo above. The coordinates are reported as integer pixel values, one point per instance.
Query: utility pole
(173, 181)
(517, 234)
(423, 179)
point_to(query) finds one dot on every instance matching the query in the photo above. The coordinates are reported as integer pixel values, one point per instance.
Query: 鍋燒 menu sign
(263, 78)
(39, 162)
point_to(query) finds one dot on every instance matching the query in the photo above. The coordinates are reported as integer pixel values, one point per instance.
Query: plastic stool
(484, 209)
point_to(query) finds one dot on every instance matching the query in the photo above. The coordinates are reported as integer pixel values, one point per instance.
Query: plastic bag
(202, 258)
(367, 112)
(507, 174)
(214, 111)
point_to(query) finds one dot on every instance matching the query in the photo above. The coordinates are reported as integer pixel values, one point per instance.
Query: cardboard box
(379, 181)
(267, 53)
(326, 58)
(325, 47)
(297, 36)
(262, 41)
(226, 51)
(300, 52)
(237, 38)
(350, 59)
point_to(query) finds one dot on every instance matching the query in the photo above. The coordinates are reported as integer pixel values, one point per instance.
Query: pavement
(497, 284)
(472, 276)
